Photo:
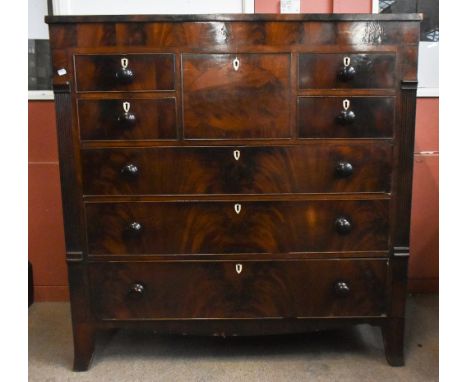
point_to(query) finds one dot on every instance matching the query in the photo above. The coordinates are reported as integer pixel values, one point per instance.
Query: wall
(46, 243)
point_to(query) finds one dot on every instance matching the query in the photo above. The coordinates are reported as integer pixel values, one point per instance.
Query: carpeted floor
(341, 355)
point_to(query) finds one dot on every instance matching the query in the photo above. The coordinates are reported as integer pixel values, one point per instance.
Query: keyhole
(126, 106)
(238, 268)
(236, 64)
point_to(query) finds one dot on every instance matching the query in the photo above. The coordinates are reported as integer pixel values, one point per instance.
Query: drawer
(221, 227)
(315, 168)
(346, 71)
(131, 72)
(250, 289)
(221, 102)
(121, 119)
(345, 117)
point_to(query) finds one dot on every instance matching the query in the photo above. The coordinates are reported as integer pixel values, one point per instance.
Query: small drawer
(345, 71)
(131, 72)
(218, 227)
(127, 119)
(314, 168)
(246, 289)
(345, 117)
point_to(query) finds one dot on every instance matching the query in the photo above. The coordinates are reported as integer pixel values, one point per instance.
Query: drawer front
(346, 117)
(221, 102)
(140, 72)
(225, 289)
(329, 71)
(236, 227)
(316, 168)
(121, 119)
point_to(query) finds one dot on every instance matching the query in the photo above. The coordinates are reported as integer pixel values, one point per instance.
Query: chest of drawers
(236, 174)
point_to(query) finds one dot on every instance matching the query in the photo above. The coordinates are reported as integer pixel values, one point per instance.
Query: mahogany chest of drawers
(236, 174)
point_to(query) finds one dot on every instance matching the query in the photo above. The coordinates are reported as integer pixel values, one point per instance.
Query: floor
(340, 355)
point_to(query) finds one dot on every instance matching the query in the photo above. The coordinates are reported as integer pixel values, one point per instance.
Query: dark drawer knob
(126, 119)
(348, 72)
(346, 116)
(342, 289)
(344, 169)
(343, 225)
(124, 75)
(135, 227)
(130, 169)
(136, 289)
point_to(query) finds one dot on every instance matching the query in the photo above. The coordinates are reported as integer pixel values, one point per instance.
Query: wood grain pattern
(319, 117)
(258, 170)
(322, 71)
(234, 36)
(215, 227)
(98, 72)
(103, 119)
(221, 102)
(282, 110)
(268, 289)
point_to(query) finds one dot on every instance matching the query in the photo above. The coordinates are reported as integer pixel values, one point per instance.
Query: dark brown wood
(221, 102)
(234, 17)
(393, 333)
(249, 289)
(103, 72)
(229, 199)
(83, 329)
(216, 227)
(215, 170)
(325, 71)
(106, 119)
(321, 117)
(404, 183)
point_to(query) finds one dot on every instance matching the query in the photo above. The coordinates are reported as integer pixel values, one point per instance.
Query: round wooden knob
(127, 119)
(124, 75)
(346, 117)
(136, 289)
(135, 227)
(344, 169)
(342, 289)
(343, 225)
(130, 169)
(347, 73)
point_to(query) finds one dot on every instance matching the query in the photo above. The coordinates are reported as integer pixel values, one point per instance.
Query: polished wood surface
(325, 71)
(322, 117)
(234, 17)
(248, 289)
(314, 168)
(106, 119)
(216, 227)
(101, 72)
(281, 141)
(223, 102)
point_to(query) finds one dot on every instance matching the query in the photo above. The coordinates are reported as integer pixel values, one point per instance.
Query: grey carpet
(339, 355)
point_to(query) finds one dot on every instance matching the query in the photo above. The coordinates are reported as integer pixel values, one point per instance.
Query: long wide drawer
(317, 168)
(226, 289)
(219, 227)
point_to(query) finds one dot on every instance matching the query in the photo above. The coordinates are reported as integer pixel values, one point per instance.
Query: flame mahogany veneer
(236, 174)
